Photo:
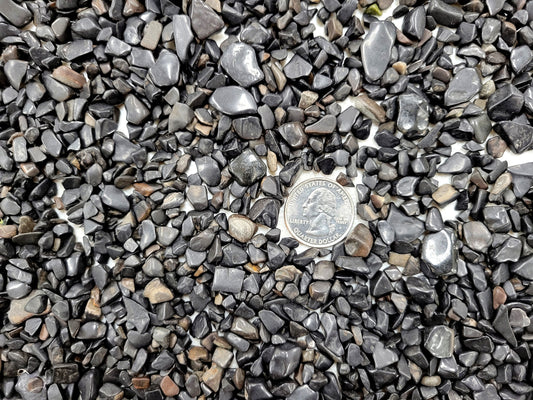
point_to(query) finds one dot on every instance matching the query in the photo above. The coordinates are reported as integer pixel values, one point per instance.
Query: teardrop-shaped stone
(376, 48)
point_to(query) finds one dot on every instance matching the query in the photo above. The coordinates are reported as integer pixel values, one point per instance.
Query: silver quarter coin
(319, 212)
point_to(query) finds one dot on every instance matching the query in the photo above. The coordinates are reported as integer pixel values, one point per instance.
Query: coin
(319, 212)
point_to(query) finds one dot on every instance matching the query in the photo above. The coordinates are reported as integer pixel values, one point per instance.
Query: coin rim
(350, 224)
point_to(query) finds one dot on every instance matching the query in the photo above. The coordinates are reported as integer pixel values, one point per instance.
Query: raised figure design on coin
(320, 209)
(319, 212)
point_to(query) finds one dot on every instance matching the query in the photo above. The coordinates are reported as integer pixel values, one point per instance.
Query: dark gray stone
(247, 168)
(376, 48)
(240, 62)
(464, 85)
(233, 100)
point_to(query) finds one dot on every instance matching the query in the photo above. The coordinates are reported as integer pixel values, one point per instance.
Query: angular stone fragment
(157, 292)
(293, 133)
(297, 68)
(117, 47)
(284, 361)
(137, 314)
(414, 23)
(15, 70)
(440, 341)
(233, 100)
(503, 326)
(477, 236)
(208, 170)
(204, 20)
(445, 194)
(212, 377)
(8, 231)
(406, 228)
(69, 77)
(439, 252)
(228, 280)
(369, 108)
(136, 110)
(464, 85)
(151, 35)
(504, 103)
(247, 168)
(376, 48)
(244, 328)
(413, 113)
(323, 126)
(359, 241)
(115, 198)
(183, 35)
(524, 268)
(65, 373)
(240, 62)
(265, 211)
(180, 116)
(383, 357)
(248, 128)
(15, 13)
(520, 58)
(456, 164)
(495, 6)
(518, 136)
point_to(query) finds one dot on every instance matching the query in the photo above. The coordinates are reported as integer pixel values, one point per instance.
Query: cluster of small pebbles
(147, 261)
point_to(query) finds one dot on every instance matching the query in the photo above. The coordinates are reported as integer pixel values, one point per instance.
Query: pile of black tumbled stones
(146, 262)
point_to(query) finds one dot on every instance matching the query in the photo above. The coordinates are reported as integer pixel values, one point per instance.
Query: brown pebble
(272, 162)
(8, 231)
(69, 77)
(132, 7)
(169, 387)
(212, 377)
(26, 224)
(198, 353)
(140, 382)
(400, 67)
(444, 194)
(156, 292)
(35, 385)
(496, 146)
(499, 297)
(359, 242)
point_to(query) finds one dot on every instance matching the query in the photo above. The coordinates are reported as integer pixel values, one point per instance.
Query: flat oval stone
(240, 62)
(166, 70)
(241, 228)
(376, 48)
(439, 252)
(233, 100)
(464, 85)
